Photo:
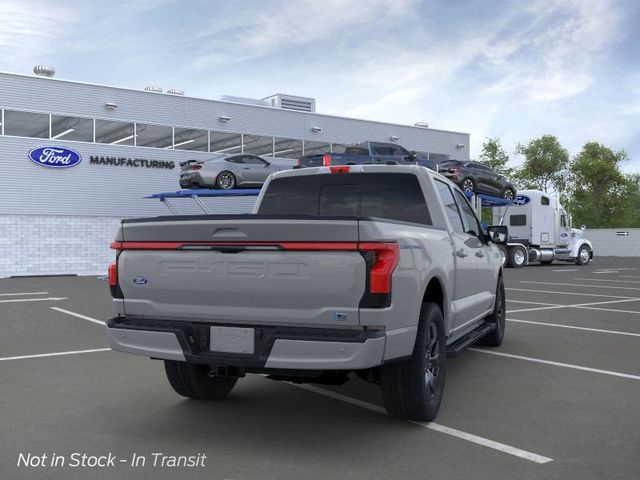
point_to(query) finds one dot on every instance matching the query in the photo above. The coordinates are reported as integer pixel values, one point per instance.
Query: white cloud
(29, 29)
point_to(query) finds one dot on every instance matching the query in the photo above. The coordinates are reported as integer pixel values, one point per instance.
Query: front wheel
(468, 185)
(197, 382)
(584, 255)
(225, 180)
(516, 257)
(412, 389)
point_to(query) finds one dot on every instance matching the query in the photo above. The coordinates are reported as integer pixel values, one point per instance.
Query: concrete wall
(608, 242)
(79, 244)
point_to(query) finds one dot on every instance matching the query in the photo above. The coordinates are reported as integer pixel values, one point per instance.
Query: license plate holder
(232, 340)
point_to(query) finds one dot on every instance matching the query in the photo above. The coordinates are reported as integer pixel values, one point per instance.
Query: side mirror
(498, 234)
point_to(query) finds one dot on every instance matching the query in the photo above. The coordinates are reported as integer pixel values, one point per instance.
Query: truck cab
(540, 230)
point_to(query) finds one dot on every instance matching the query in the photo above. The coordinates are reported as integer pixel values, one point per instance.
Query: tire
(193, 381)
(225, 180)
(584, 255)
(516, 257)
(412, 389)
(508, 193)
(468, 185)
(494, 337)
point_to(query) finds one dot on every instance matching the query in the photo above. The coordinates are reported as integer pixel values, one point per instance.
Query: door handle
(461, 253)
(480, 254)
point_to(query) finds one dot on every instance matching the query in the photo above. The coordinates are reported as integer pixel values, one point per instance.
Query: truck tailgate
(247, 269)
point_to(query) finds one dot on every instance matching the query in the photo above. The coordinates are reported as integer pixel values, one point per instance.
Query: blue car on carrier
(379, 153)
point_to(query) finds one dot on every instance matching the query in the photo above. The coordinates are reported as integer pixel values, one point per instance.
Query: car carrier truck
(540, 231)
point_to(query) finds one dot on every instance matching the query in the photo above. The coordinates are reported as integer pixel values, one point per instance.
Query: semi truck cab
(540, 230)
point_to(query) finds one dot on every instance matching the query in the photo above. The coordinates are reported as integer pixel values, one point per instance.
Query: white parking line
(23, 293)
(485, 442)
(557, 364)
(578, 305)
(48, 299)
(566, 270)
(629, 276)
(84, 317)
(580, 285)
(533, 303)
(573, 327)
(600, 279)
(567, 293)
(611, 310)
(56, 354)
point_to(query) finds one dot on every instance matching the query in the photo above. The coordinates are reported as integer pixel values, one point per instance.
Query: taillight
(341, 169)
(453, 170)
(114, 287)
(113, 274)
(326, 160)
(298, 163)
(196, 167)
(385, 262)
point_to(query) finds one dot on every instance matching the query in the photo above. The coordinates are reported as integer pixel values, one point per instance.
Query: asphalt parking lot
(559, 399)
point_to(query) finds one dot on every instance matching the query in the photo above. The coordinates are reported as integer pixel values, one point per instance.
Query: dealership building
(119, 145)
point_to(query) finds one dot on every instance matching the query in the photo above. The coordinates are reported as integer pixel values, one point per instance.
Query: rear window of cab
(393, 196)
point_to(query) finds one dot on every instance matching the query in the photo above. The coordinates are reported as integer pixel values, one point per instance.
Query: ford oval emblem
(55, 157)
(521, 200)
(140, 281)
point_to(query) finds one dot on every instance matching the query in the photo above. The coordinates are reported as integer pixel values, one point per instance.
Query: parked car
(377, 270)
(369, 152)
(475, 177)
(228, 171)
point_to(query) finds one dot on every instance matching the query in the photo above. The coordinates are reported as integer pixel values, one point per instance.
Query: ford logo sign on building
(55, 157)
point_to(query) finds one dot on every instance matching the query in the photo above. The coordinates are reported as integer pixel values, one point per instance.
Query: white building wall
(612, 242)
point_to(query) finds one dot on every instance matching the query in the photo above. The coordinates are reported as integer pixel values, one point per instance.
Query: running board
(469, 339)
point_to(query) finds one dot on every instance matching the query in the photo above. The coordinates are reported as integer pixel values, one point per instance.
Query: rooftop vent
(175, 91)
(44, 71)
(290, 102)
(153, 88)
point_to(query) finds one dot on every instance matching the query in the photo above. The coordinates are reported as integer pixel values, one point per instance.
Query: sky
(508, 69)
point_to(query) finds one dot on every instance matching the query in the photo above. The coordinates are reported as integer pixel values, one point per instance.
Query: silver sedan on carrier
(229, 171)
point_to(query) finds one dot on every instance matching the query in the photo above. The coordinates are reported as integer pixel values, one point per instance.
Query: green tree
(495, 157)
(599, 191)
(545, 164)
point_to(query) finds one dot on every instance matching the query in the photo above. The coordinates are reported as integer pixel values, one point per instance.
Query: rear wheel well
(435, 294)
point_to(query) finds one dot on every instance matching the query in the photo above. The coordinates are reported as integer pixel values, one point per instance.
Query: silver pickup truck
(377, 270)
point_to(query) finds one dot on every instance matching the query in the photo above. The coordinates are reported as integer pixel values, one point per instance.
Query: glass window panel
(26, 124)
(316, 148)
(115, 133)
(258, 145)
(227, 143)
(338, 147)
(71, 128)
(450, 207)
(191, 139)
(438, 157)
(157, 136)
(287, 148)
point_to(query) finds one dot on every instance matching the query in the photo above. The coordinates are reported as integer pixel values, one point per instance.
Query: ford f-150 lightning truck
(377, 270)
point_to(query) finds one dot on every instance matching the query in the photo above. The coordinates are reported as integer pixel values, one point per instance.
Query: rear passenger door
(464, 249)
(485, 263)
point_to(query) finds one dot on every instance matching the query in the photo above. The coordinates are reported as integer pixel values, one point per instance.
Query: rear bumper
(291, 348)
